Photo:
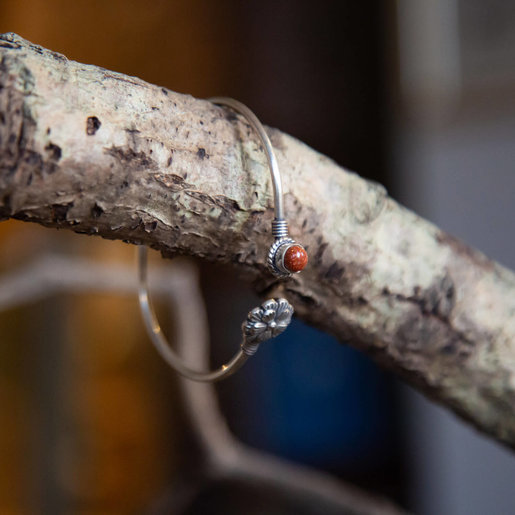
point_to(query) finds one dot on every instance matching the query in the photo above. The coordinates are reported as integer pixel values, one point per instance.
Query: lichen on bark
(102, 153)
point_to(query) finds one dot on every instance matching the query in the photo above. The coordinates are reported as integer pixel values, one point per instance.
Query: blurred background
(416, 95)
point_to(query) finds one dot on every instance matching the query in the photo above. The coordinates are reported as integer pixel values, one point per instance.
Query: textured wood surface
(101, 153)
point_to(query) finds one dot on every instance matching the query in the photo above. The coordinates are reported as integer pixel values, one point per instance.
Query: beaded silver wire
(264, 322)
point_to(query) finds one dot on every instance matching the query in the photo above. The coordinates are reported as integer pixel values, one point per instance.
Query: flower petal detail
(267, 321)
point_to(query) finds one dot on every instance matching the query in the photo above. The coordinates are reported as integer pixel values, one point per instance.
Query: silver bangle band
(285, 257)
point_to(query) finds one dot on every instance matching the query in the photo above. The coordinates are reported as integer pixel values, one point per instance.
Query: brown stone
(295, 258)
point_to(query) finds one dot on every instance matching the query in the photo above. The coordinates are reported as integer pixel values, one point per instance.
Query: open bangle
(285, 257)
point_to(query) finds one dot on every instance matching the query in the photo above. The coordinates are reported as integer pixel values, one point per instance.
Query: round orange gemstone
(295, 258)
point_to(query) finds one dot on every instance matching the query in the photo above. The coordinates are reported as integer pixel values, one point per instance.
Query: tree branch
(103, 153)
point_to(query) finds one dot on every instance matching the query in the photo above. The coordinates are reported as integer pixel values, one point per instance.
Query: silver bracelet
(285, 258)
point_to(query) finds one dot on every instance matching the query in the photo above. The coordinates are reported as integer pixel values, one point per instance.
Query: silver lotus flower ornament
(265, 322)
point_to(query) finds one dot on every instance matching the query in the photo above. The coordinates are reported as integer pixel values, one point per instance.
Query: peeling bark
(101, 153)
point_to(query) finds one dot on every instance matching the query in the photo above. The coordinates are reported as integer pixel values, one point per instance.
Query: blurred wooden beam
(101, 153)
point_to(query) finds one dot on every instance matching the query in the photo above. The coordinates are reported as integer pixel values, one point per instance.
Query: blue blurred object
(315, 401)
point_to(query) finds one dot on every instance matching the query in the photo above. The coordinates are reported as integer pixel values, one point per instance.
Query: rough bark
(102, 153)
